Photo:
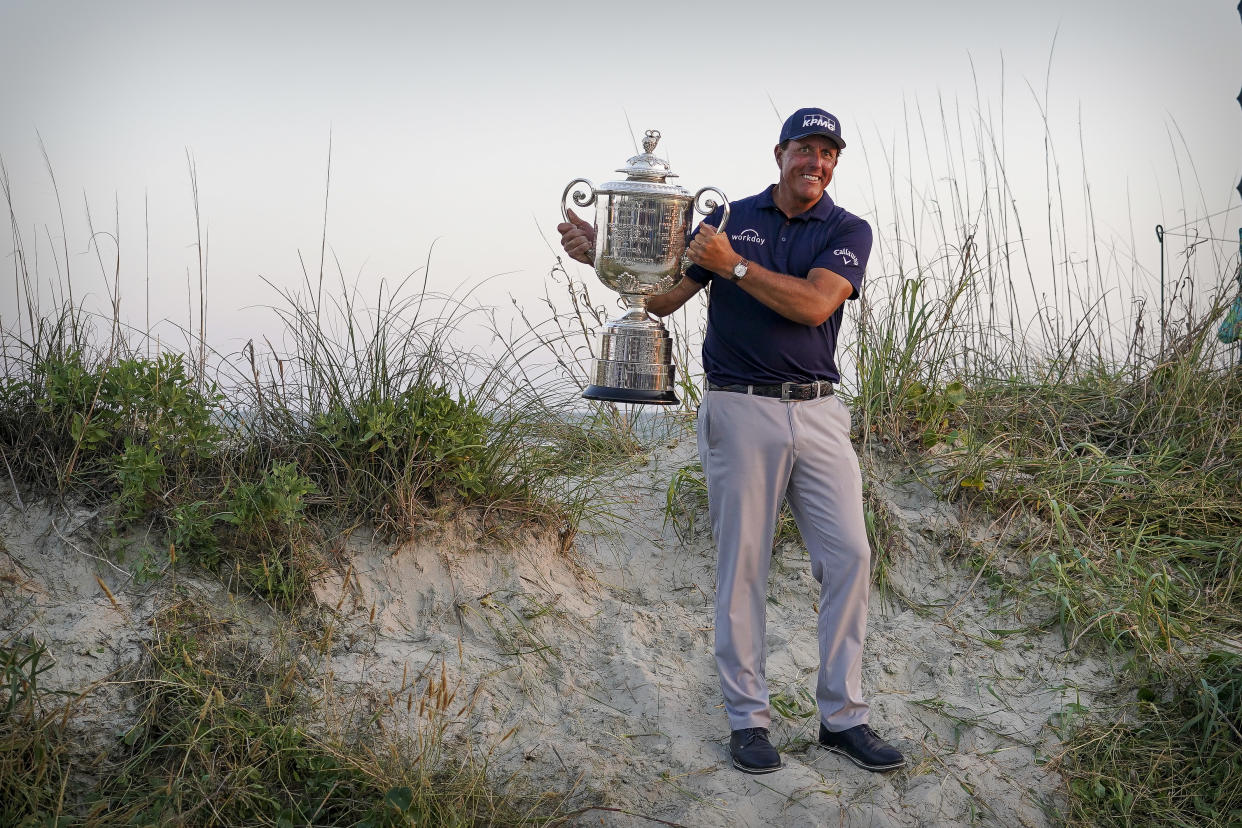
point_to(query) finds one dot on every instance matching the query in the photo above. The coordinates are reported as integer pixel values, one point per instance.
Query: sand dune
(593, 673)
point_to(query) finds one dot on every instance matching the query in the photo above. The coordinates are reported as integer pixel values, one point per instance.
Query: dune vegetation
(1117, 430)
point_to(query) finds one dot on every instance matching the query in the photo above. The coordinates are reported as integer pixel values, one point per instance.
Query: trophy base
(635, 360)
(629, 395)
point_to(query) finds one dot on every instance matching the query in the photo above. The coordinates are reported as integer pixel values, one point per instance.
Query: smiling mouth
(812, 178)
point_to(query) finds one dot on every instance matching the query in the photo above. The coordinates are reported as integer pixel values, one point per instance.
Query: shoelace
(868, 733)
(870, 738)
(751, 733)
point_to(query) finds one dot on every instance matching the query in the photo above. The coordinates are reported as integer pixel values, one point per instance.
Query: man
(769, 427)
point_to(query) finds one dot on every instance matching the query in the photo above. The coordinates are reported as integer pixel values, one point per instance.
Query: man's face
(806, 167)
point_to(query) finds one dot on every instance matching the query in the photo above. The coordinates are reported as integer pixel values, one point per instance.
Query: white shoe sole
(756, 771)
(877, 768)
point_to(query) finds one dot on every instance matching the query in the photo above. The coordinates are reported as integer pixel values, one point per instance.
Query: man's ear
(776, 151)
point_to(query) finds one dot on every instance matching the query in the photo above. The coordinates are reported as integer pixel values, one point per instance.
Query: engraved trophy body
(642, 226)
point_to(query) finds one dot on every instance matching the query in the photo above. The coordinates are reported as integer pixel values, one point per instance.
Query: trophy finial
(650, 140)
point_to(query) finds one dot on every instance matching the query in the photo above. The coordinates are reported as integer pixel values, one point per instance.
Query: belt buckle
(786, 388)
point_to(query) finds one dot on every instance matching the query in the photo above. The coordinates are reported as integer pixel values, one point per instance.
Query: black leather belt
(784, 391)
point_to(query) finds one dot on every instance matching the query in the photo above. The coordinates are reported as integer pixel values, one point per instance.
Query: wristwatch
(739, 269)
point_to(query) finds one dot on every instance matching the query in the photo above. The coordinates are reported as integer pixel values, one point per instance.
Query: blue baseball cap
(812, 121)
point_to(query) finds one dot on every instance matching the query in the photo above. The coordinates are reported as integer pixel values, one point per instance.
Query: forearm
(809, 301)
(663, 304)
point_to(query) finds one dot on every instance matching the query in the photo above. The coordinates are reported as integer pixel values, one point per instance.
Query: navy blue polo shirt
(747, 342)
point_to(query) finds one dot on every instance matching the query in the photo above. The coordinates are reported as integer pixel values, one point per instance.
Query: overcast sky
(457, 125)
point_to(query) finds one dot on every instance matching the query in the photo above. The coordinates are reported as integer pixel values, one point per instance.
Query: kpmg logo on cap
(749, 235)
(819, 121)
(847, 256)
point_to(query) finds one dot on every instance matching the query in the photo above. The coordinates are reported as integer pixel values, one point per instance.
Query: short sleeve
(847, 253)
(699, 274)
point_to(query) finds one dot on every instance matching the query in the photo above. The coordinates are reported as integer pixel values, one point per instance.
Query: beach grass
(1114, 428)
(225, 730)
(252, 472)
(257, 467)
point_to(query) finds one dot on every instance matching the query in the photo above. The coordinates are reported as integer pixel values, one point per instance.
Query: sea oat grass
(1133, 473)
(1107, 433)
(229, 732)
(393, 420)
(1139, 484)
(391, 428)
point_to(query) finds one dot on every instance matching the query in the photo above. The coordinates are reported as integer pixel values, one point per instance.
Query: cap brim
(835, 138)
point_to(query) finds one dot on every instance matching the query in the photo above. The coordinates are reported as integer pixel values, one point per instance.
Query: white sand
(601, 664)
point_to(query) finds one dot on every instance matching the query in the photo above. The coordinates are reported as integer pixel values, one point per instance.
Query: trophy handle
(710, 205)
(580, 198)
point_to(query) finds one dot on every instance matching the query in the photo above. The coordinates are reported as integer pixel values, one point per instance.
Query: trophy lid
(648, 167)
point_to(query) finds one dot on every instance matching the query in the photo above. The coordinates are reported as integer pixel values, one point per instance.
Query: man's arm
(810, 301)
(665, 303)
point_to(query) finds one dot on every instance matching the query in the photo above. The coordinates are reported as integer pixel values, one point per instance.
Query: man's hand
(810, 301)
(711, 250)
(578, 239)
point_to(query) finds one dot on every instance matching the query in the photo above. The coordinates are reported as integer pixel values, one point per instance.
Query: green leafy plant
(274, 502)
(34, 763)
(425, 434)
(106, 425)
(270, 533)
(139, 471)
(192, 532)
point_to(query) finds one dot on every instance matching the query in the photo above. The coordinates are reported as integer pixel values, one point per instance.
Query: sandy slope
(594, 674)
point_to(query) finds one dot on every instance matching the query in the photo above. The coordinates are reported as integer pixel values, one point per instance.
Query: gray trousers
(756, 451)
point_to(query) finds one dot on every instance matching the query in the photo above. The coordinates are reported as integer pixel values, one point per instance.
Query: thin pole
(1160, 238)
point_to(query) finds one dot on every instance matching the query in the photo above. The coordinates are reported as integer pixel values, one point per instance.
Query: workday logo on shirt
(749, 235)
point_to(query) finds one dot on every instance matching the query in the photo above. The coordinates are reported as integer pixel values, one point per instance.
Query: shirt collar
(820, 212)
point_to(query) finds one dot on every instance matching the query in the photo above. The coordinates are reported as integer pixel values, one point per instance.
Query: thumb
(710, 229)
(573, 217)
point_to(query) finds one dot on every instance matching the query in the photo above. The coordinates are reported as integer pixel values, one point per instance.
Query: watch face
(739, 270)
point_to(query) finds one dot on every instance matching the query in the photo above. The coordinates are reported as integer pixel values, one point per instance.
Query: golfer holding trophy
(770, 427)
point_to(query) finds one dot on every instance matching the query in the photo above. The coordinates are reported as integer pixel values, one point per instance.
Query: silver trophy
(642, 226)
